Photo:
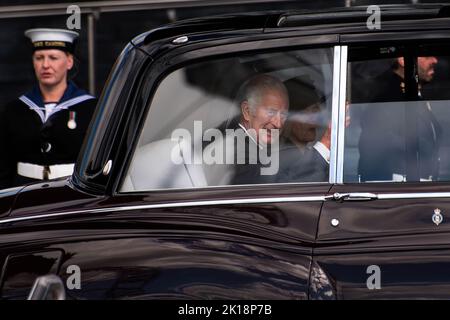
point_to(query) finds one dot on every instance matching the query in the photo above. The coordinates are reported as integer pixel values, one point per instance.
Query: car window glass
(400, 114)
(250, 119)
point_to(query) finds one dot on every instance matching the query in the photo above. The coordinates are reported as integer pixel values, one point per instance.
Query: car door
(247, 240)
(174, 225)
(384, 232)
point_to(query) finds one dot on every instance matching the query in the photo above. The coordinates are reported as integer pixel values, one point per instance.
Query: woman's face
(51, 66)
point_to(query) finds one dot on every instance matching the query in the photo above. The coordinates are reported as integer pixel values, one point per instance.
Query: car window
(400, 114)
(248, 119)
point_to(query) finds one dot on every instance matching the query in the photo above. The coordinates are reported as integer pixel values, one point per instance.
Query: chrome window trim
(225, 186)
(322, 44)
(334, 113)
(338, 114)
(169, 205)
(341, 116)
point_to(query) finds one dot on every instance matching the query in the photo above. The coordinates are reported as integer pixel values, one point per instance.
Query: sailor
(42, 131)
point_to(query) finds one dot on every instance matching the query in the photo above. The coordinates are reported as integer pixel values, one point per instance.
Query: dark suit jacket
(248, 165)
(294, 165)
(301, 165)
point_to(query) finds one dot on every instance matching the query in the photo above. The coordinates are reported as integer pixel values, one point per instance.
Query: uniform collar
(72, 91)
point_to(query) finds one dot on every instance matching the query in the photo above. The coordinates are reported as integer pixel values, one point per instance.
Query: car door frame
(160, 199)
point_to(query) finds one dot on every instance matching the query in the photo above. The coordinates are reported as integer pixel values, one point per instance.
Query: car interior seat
(164, 164)
(219, 174)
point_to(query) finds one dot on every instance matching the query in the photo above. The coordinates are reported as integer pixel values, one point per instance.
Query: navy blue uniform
(27, 137)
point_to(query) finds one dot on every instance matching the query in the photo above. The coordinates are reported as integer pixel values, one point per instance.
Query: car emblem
(437, 217)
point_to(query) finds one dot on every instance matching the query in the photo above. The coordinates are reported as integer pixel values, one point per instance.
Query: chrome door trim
(338, 114)
(169, 205)
(381, 196)
(418, 195)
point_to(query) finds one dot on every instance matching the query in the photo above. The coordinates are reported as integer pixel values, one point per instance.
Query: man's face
(426, 68)
(51, 66)
(304, 124)
(268, 113)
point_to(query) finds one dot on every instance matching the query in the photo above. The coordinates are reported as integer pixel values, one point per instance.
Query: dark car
(153, 210)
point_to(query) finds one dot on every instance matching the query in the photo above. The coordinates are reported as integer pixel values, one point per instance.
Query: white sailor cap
(43, 38)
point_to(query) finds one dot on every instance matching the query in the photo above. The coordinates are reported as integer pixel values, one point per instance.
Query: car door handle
(354, 196)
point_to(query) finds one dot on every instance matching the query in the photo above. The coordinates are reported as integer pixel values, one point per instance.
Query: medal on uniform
(71, 124)
(402, 86)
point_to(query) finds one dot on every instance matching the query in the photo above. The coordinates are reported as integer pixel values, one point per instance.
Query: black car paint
(197, 252)
(126, 249)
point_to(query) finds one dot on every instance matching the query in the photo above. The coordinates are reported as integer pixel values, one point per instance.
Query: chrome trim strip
(222, 202)
(390, 196)
(335, 113)
(341, 117)
(230, 186)
(169, 205)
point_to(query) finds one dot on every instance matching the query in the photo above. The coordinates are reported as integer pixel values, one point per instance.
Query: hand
(326, 138)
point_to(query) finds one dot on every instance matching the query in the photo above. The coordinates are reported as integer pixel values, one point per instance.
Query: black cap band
(60, 45)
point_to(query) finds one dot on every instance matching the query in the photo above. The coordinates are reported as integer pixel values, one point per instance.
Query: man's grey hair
(254, 88)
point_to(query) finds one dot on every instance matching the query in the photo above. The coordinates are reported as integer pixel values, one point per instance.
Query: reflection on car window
(252, 119)
(399, 117)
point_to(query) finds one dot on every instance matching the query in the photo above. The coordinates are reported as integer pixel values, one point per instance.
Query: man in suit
(264, 104)
(304, 155)
(400, 136)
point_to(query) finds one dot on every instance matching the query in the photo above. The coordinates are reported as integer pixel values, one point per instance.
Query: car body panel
(396, 234)
(127, 249)
(231, 242)
(7, 200)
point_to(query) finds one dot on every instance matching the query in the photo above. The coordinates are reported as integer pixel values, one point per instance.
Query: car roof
(286, 19)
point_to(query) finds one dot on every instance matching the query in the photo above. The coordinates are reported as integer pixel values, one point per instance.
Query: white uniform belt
(36, 171)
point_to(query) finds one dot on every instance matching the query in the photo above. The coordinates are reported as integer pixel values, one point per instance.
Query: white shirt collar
(250, 136)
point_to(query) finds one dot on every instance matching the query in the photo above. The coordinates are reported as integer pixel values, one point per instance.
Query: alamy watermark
(374, 20)
(74, 280)
(74, 20)
(234, 146)
(374, 280)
